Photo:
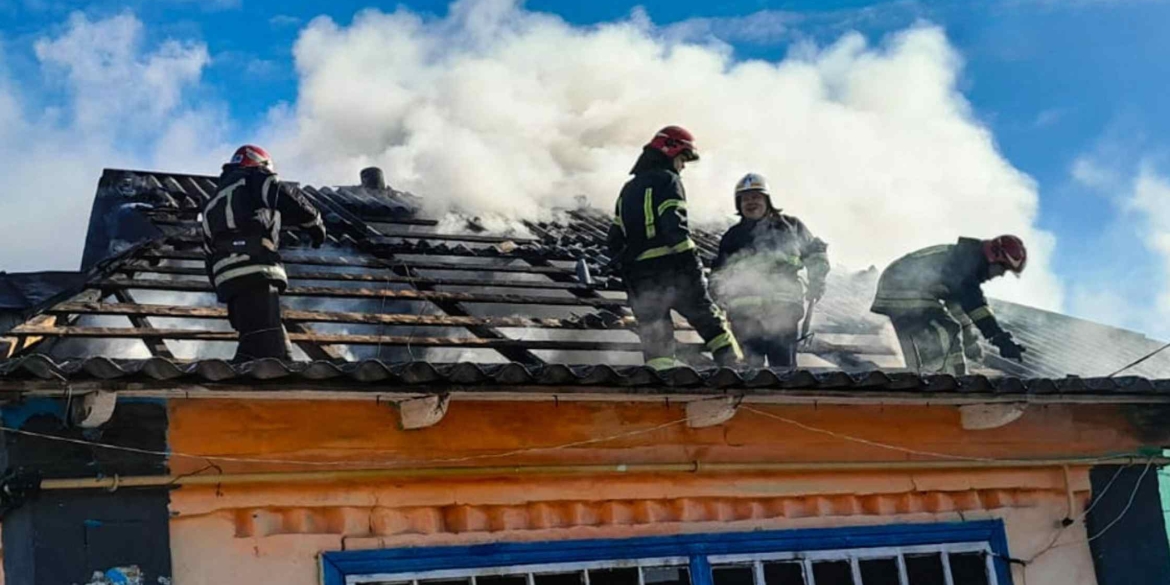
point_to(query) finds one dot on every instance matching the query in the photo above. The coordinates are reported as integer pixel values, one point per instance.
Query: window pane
(574, 578)
(502, 580)
(666, 575)
(879, 572)
(613, 576)
(969, 569)
(925, 570)
(783, 574)
(466, 581)
(734, 575)
(833, 573)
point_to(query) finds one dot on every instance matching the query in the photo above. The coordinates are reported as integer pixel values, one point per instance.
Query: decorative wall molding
(460, 519)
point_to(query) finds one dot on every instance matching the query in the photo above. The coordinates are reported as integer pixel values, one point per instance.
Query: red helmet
(250, 155)
(673, 141)
(1008, 251)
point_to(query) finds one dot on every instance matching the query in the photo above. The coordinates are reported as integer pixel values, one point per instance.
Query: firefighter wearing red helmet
(651, 242)
(241, 235)
(934, 298)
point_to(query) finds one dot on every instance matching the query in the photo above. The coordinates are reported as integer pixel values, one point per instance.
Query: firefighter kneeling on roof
(241, 234)
(757, 278)
(934, 298)
(659, 262)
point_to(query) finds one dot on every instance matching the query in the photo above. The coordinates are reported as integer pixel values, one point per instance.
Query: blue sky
(1073, 94)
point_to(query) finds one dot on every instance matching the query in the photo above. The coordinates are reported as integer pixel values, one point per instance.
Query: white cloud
(124, 107)
(495, 108)
(1090, 172)
(111, 78)
(763, 27)
(1151, 199)
(283, 20)
(1049, 117)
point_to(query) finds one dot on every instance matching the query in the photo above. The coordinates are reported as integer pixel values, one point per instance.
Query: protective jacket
(771, 251)
(650, 218)
(948, 277)
(241, 228)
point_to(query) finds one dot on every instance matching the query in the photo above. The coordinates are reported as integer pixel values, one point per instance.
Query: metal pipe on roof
(690, 467)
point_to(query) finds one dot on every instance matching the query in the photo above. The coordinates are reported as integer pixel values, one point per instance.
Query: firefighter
(241, 234)
(757, 275)
(651, 242)
(934, 298)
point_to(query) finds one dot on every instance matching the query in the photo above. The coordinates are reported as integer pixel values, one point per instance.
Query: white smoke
(122, 105)
(498, 109)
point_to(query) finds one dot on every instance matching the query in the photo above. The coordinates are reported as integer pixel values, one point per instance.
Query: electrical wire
(1080, 517)
(1132, 496)
(1142, 359)
(514, 452)
(853, 439)
(372, 463)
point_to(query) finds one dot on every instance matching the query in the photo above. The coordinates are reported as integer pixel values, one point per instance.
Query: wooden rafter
(452, 306)
(32, 330)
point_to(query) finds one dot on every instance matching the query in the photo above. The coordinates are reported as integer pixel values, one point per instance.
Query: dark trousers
(770, 335)
(255, 313)
(931, 342)
(655, 287)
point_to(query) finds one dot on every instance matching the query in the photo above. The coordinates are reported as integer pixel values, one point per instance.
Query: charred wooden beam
(358, 230)
(387, 237)
(360, 293)
(297, 316)
(329, 338)
(386, 277)
(357, 262)
(156, 347)
(314, 350)
(390, 219)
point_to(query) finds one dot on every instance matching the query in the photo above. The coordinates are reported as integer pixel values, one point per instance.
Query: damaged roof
(393, 296)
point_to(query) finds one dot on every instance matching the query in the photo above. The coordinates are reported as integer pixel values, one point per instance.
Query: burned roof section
(398, 288)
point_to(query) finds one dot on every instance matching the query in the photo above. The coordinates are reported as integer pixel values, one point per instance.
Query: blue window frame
(697, 551)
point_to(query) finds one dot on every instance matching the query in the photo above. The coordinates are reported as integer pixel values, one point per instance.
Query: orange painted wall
(236, 534)
(473, 432)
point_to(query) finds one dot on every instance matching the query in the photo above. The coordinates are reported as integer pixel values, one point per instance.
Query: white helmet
(752, 182)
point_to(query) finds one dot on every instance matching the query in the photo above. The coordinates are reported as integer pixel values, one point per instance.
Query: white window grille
(654, 571)
(942, 564)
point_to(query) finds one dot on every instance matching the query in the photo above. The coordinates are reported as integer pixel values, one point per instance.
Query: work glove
(971, 347)
(316, 234)
(1008, 348)
(816, 290)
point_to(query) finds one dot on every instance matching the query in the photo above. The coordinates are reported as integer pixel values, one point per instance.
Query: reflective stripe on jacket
(241, 228)
(650, 217)
(948, 276)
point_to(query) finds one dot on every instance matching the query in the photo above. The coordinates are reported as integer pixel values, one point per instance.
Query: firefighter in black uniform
(659, 262)
(757, 278)
(934, 298)
(241, 234)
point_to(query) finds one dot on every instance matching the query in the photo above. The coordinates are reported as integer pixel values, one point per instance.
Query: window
(667, 571)
(967, 553)
(949, 564)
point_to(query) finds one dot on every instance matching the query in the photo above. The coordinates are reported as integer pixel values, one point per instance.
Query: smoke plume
(496, 109)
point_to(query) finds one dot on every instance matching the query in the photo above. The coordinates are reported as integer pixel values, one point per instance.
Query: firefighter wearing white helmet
(768, 265)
